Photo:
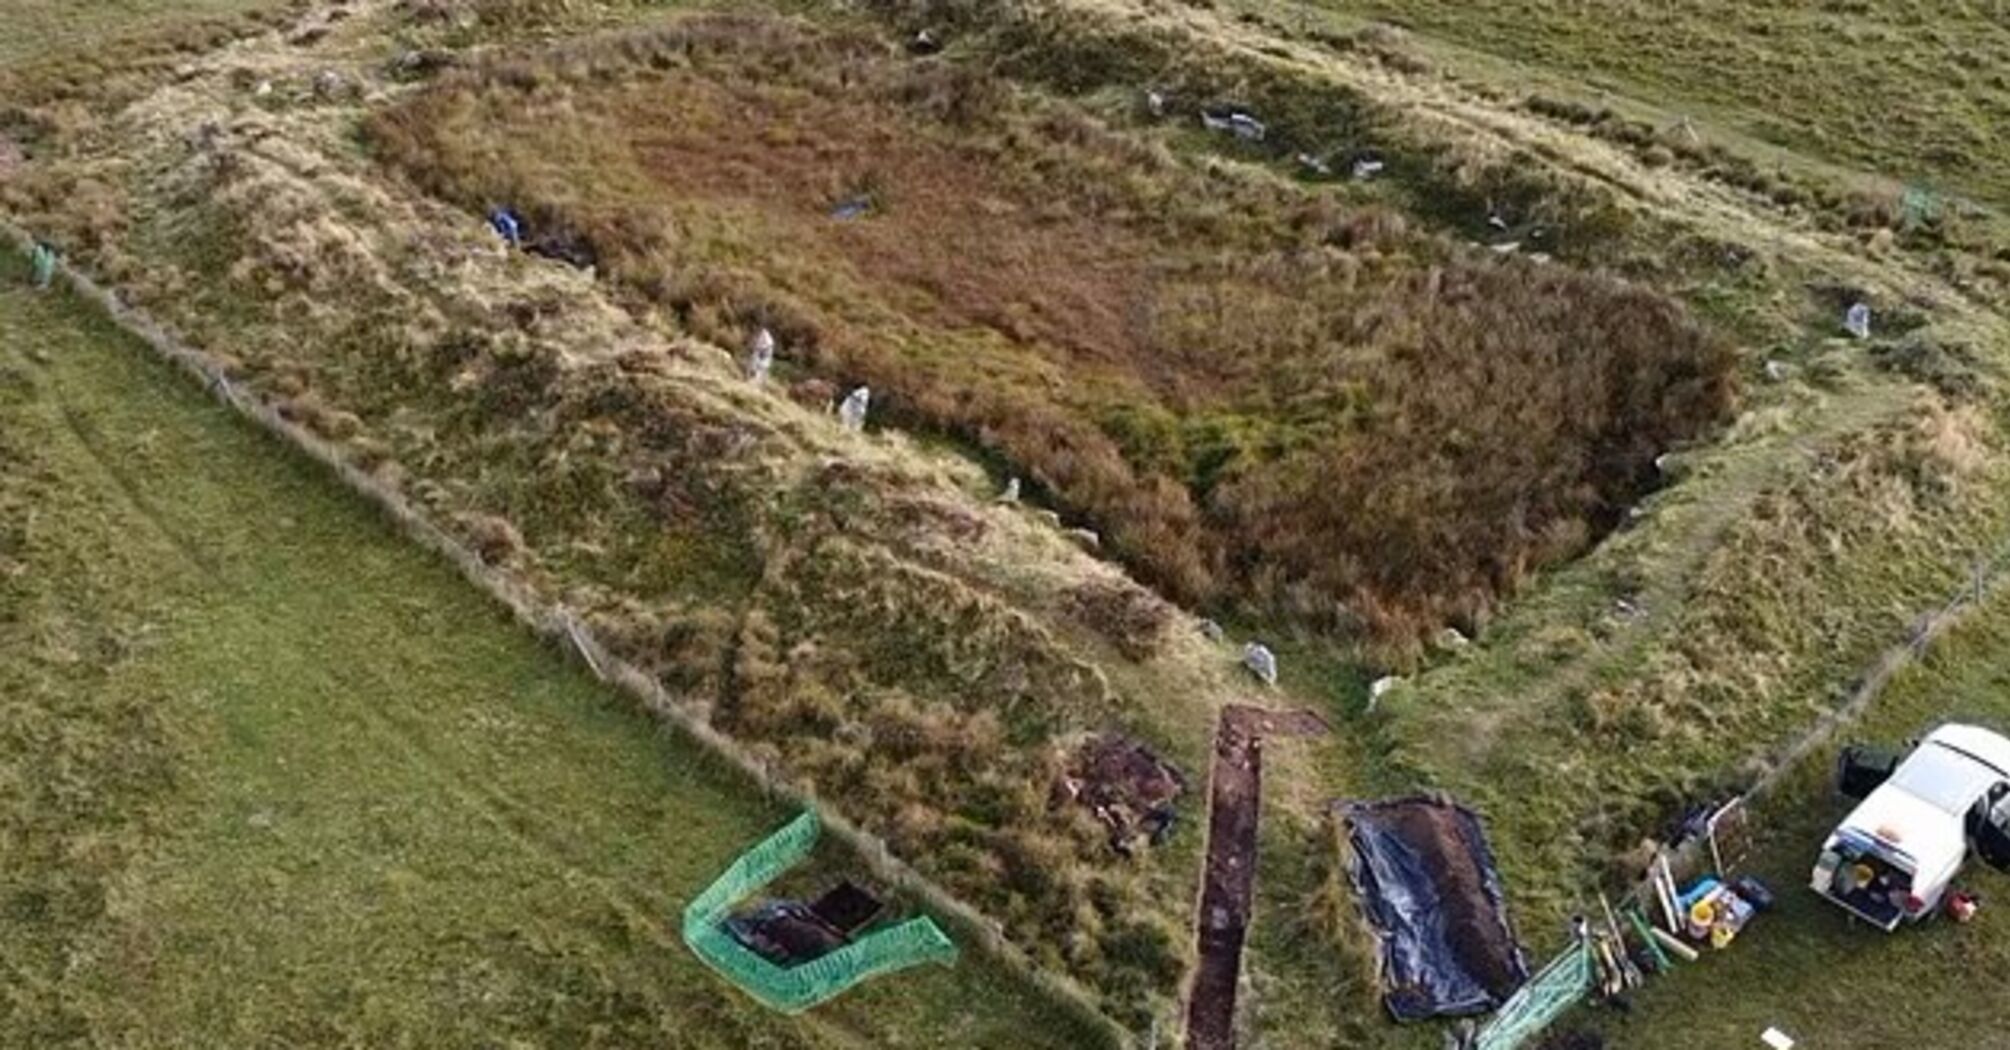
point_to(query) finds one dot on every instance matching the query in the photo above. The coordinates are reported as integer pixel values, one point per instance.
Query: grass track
(277, 778)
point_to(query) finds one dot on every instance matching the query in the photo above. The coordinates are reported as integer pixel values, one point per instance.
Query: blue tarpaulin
(1429, 888)
(507, 226)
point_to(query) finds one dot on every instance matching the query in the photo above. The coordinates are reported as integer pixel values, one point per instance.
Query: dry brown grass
(769, 573)
(1801, 592)
(61, 53)
(1264, 400)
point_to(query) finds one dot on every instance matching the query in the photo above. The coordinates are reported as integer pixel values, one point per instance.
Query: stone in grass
(760, 355)
(1856, 321)
(1087, 539)
(851, 414)
(331, 84)
(1234, 122)
(1452, 638)
(1261, 662)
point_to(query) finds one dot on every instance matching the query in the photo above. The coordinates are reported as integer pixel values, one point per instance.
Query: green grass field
(287, 781)
(1805, 967)
(1910, 89)
(275, 777)
(39, 32)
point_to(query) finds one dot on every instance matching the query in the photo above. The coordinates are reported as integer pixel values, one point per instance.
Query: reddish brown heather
(1265, 400)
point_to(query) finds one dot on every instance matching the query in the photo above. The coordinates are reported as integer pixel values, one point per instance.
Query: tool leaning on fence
(1600, 965)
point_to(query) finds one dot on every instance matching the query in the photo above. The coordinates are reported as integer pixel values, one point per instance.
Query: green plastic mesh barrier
(792, 989)
(1546, 997)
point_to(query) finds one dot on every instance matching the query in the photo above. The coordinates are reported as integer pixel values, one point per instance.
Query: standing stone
(851, 414)
(1261, 662)
(1857, 321)
(760, 355)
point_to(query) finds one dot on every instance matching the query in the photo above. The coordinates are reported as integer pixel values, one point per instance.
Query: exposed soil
(1229, 883)
(1128, 787)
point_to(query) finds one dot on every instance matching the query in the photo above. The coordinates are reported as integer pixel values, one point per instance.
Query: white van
(1893, 858)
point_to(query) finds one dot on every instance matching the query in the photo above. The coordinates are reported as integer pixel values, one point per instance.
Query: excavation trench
(1229, 881)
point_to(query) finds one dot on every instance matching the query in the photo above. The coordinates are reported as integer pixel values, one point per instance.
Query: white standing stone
(1857, 320)
(851, 414)
(1261, 662)
(760, 355)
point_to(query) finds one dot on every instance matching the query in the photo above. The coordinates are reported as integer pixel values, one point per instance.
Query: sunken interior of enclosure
(1266, 400)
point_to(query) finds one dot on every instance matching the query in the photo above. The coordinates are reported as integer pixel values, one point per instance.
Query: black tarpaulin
(1429, 888)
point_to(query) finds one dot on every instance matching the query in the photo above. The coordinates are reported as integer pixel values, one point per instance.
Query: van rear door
(1991, 828)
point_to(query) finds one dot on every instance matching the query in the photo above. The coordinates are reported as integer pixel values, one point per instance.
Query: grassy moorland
(38, 30)
(1805, 968)
(54, 51)
(1303, 397)
(1656, 674)
(1909, 90)
(276, 776)
(1218, 369)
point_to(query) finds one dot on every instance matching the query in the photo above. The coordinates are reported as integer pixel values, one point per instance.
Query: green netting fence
(1547, 996)
(792, 989)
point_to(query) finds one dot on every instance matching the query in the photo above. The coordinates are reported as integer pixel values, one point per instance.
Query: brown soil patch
(1129, 788)
(1113, 768)
(1229, 883)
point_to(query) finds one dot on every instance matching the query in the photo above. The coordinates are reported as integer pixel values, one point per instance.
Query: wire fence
(1982, 576)
(1568, 979)
(561, 626)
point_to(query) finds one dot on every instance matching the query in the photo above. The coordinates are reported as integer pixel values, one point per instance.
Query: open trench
(1228, 883)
